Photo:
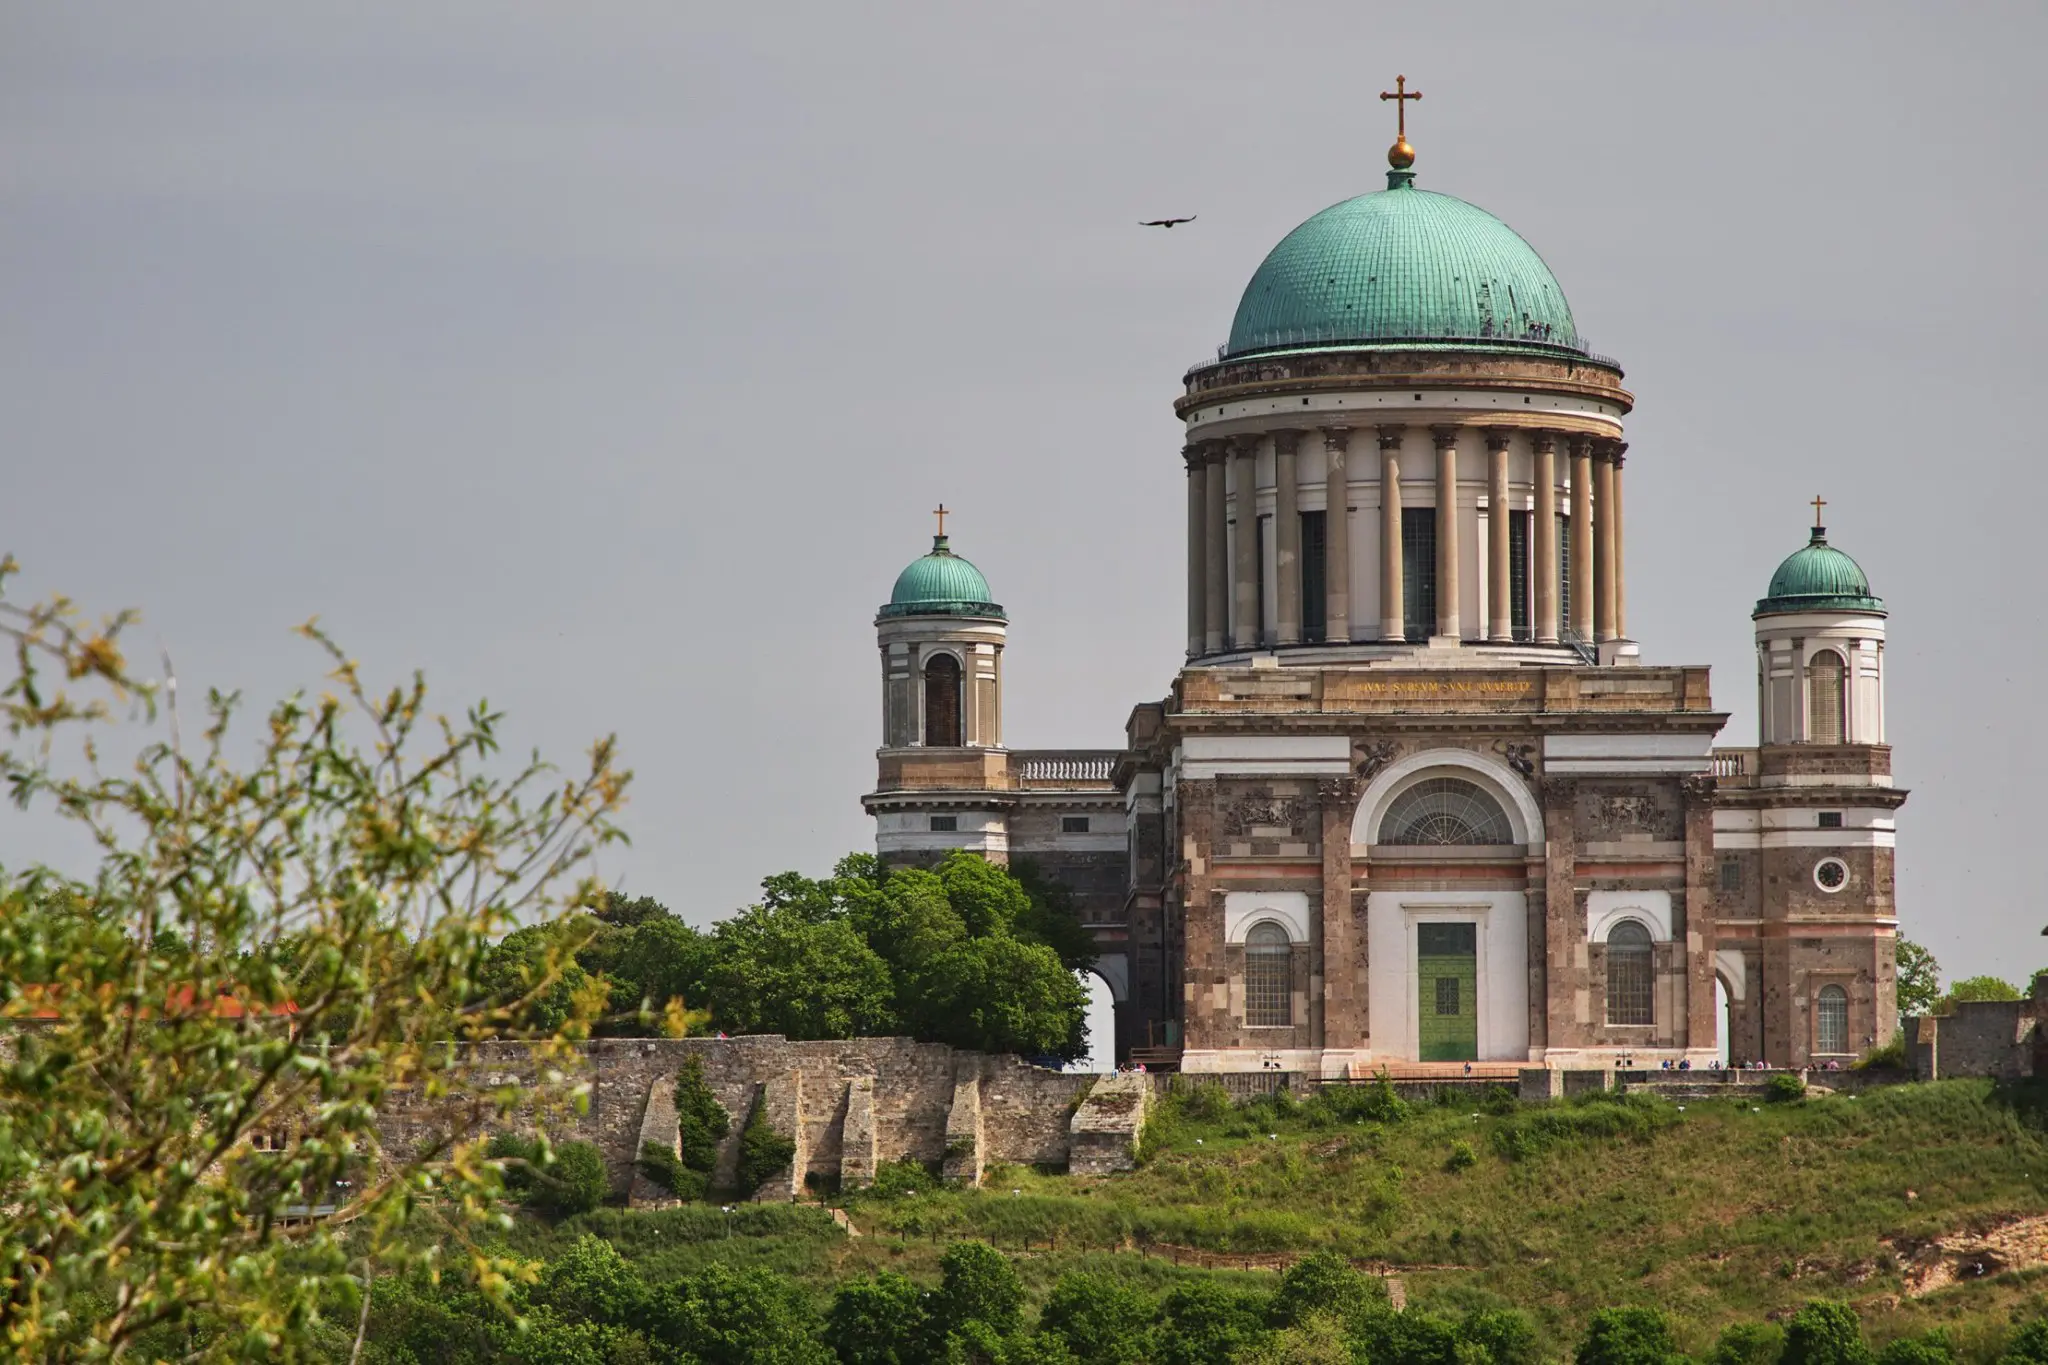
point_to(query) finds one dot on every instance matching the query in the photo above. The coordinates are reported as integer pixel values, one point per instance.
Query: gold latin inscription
(1447, 687)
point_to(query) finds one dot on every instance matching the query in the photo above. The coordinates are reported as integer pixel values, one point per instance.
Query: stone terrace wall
(1982, 1038)
(907, 1094)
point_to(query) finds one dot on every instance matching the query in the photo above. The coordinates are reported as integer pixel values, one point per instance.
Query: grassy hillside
(1716, 1212)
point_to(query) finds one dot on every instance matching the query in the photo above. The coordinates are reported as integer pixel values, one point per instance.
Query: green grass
(1719, 1212)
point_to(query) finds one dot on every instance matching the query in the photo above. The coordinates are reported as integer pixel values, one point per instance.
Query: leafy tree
(2028, 1345)
(1051, 918)
(1931, 1349)
(1324, 1285)
(774, 971)
(701, 1121)
(557, 1180)
(1824, 1333)
(1627, 1336)
(881, 1320)
(977, 1283)
(662, 1166)
(1318, 1341)
(764, 1153)
(1098, 1319)
(282, 927)
(1505, 1336)
(1003, 995)
(723, 1316)
(1203, 1323)
(591, 1282)
(1918, 978)
(538, 963)
(621, 911)
(1982, 988)
(1414, 1337)
(1749, 1343)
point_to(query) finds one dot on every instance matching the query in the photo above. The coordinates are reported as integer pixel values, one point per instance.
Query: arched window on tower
(942, 702)
(1831, 1020)
(1268, 977)
(1630, 999)
(1824, 698)
(1445, 810)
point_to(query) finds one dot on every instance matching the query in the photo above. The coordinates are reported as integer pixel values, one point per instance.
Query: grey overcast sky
(605, 359)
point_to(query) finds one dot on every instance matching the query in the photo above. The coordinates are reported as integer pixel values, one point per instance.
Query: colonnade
(1224, 580)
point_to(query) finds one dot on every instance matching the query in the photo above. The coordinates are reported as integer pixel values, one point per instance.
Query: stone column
(1198, 546)
(1603, 535)
(1500, 591)
(1545, 539)
(1286, 539)
(1620, 554)
(1216, 595)
(1446, 439)
(1244, 624)
(1392, 628)
(1337, 537)
(1582, 537)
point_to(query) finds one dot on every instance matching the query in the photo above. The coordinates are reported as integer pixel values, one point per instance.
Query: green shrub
(1892, 1056)
(1824, 1333)
(666, 1169)
(1325, 1285)
(1499, 1100)
(701, 1121)
(1627, 1336)
(1749, 1343)
(1098, 1319)
(574, 1182)
(2028, 1345)
(1784, 1088)
(1201, 1101)
(1376, 1102)
(896, 1179)
(977, 1283)
(1598, 1115)
(764, 1153)
(1462, 1157)
(1932, 1349)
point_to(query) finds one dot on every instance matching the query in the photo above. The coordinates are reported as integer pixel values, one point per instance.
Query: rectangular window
(1731, 873)
(1314, 558)
(1518, 573)
(1418, 571)
(1564, 572)
(1073, 824)
(1447, 995)
(945, 824)
(1831, 819)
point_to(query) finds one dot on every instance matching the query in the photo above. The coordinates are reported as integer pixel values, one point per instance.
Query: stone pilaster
(1604, 540)
(1244, 499)
(1215, 557)
(1697, 932)
(1583, 537)
(1344, 980)
(1392, 628)
(1447, 622)
(1500, 615)
(1545, 537)
(1286, 538)
(1205, 979)
(1566, 989)
(1337, 536)
(1198, 547)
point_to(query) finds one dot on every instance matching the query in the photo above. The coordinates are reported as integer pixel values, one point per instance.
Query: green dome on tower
(941, 584)
(1818, 577)
(1403, 265)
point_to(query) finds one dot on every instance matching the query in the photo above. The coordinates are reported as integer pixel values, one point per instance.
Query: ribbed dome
(1818, 577)
(941, 584)
(1402, 265)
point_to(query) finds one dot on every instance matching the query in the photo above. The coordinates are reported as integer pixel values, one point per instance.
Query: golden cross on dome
(1818, 503)
(1400, 95)
(940, 513)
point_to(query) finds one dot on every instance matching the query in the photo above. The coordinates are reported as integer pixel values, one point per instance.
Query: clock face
(1831, 874)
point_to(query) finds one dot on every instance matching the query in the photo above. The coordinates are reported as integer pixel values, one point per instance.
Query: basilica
(1414, 799)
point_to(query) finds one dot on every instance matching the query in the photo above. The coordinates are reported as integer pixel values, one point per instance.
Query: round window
(1831, 874)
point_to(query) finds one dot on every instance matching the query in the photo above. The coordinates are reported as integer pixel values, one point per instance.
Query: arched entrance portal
(1101, 1056)
(1722, 1021)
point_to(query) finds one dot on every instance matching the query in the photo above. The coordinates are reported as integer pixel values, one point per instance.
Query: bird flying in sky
(1166, 222)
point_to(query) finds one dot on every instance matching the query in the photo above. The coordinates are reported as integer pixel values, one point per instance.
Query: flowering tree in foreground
(283, 927)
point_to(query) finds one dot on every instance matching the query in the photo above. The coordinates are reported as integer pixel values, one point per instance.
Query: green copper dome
(941, 584)
(1818, 577)
(1403, 265)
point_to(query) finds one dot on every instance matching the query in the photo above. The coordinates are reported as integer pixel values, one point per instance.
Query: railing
(1063, 767)
(1539, 339)
(1578, 643)
(1733, 763)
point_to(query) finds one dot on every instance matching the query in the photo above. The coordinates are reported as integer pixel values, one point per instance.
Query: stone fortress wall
(850, 1105)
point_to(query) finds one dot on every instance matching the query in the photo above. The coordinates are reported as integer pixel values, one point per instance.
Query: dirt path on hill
(1961, 1257)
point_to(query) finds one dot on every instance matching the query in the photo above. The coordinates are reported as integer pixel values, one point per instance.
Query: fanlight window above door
(1445, 810)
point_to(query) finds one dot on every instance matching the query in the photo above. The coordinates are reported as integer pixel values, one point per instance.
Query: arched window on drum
(1630, 973)
(942, 702)
(1824, 698)
(1268, 977)
(1445, 810)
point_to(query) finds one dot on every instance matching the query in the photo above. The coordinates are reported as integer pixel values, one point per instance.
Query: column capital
(1607, 448)
(1498, 438)
(1246, 444)
(1582, 447)
(1286, 439)
(1336, 438)
(1195, 454)
(1444, 437)
(1545, 440)
(1391, 434)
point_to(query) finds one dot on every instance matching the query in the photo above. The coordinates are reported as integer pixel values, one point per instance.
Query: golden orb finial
(1401, 156)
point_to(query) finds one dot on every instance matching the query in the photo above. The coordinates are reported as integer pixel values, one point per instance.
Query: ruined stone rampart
(850, 1105)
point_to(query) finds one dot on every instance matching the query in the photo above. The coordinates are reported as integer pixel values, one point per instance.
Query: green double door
(1447, 995)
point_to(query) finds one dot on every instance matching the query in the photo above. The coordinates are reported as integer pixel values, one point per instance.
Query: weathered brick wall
(1982, 1038)
(908, 1095)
